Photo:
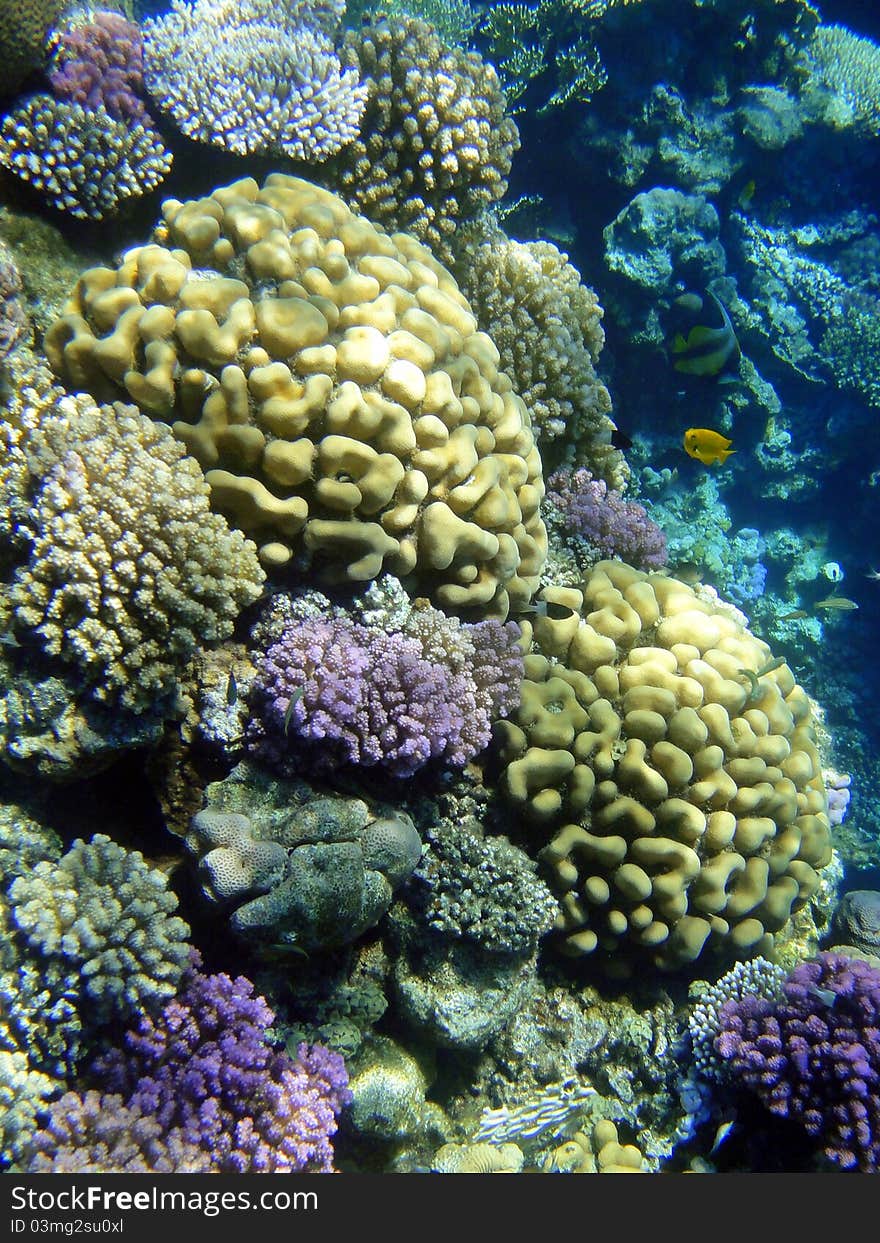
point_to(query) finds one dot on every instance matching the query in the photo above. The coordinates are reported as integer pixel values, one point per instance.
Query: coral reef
(482, 889)
(331, 381)
(756, 978)
(679, 760)
(103, 918)
(608, 525)
(126, 571)
(253, 77)
(356, 695)
(101, 63)
(24, 25)
(80, 159)
(294, 869)
(205, 1070)
(812, 1055)
(548, 330)
(435, 145)
(856, 921)
(13, 317)
(24, 1093)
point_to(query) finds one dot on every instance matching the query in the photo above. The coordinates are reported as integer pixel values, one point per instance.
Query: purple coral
(206, 1072)
(609, 524)
(813, 1054)
(13, 319)
(101, 62)
(369, 697)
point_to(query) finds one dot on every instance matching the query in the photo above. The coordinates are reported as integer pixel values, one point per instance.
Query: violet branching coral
(101, 62)
(608, 525)
(206, 1071)
(360, 696)
(13, 317)
(813, 1055)
(105, 918)
(251, 76)
(79, 157)
(125, 571)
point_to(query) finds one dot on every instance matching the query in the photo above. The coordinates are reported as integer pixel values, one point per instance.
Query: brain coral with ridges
(674, 762)
(331, 381)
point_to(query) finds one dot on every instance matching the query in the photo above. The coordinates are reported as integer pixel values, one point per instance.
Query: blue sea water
(711, 172)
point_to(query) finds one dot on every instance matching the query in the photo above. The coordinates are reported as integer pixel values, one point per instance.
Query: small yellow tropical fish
(746, 194)
(706, 445)
(836, 602)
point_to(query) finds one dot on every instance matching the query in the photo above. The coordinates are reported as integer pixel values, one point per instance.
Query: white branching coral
(252, 76)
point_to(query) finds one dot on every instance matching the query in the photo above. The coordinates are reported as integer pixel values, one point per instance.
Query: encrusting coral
(675, 762)
(331, 381)
(435, 145)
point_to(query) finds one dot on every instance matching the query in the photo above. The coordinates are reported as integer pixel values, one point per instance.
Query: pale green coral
(844, 78)
(23, 1093)
(104, 916)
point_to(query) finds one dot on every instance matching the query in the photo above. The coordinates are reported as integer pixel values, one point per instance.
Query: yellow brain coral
(675, 761)
(331, 381)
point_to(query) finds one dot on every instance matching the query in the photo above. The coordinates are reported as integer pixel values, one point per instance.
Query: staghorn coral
(435, 144)
(364, 697)
(608, 525)
(296, 870)
(331, 381)
(685, 795)
(79, 158)
(101, 62)
(206, 1071)
(251, 76)
(125, 571)
(547, 327)
(756, 978)
(814, 1058)
(103, 917)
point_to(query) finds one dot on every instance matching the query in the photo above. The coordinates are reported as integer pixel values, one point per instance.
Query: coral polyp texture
(675, 763)
(608, 525)
(345, 694)
(332, 383)
(24, 25)
(548, 329)
(105, 916)
(436, 144)
(101, 62)
(124, 570)
(79, 158)
(812, 1055)
(252, 75)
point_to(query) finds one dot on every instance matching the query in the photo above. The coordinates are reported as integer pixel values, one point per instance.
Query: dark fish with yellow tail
(709, 346)
(707, 446)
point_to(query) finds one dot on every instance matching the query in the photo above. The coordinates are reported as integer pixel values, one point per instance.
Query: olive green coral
(688, 811)
(24, 25)
(125, 572)
(331, 381)
(435, 144)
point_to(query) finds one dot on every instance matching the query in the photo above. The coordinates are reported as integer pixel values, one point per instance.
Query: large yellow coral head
(332, 383)
(675, 761)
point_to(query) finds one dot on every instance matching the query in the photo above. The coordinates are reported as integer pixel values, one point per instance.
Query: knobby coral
(813, 1055)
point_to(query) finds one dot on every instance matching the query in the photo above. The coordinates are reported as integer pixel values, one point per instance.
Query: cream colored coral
(547, 326)
(332, 383)
(687, 806)
(127, 572)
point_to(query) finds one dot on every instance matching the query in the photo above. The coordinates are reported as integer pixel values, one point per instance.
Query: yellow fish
(706, 445)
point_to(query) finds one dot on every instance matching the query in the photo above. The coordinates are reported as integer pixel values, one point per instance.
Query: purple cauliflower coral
(813, 1055)
(601, 517)
(101, 62)
(397, 699)
(207, 1073)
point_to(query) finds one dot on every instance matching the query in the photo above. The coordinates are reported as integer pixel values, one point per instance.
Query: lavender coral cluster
(101, 63)
(201, 1087)
(813, 1055)
(610, 525)
(366, 697)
